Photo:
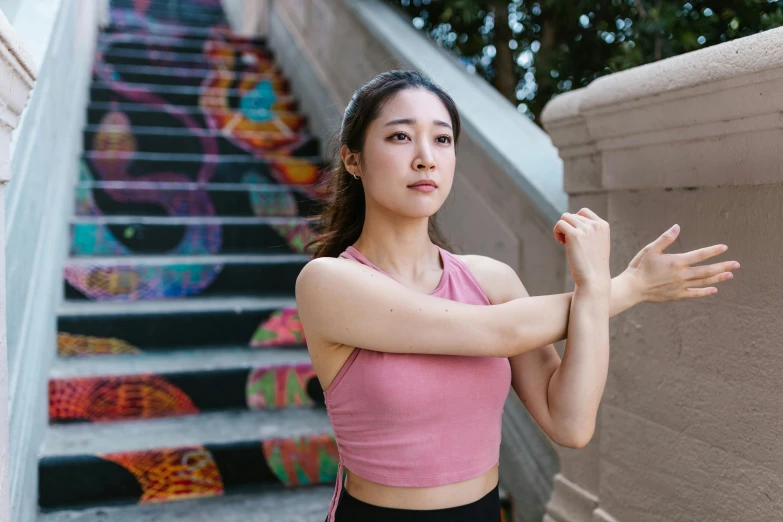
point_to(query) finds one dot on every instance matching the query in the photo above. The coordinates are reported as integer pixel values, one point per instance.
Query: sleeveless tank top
(418, 420)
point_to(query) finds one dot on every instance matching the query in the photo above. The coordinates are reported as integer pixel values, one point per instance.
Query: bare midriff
(435, 497)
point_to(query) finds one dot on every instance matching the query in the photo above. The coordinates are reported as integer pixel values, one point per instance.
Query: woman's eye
(399, 134)
(448, 139)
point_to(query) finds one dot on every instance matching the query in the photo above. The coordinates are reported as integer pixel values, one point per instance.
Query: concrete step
(114, 327)
(189, 33)
(139, 40)
(268, 505)
(182, 382)
(186, 76)
(105, 138)
(198, 90)
(212, 168)
(158, 43)
(168, 5)
(137, 278)
(175, 458)
(122, 20)
(186, 15)
(150, 235)
(225, 58)
(223, 120)
(185, 99)
(194, 199)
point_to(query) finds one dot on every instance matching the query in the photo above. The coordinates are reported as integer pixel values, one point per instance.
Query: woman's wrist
(627, 292)
(597, 289)
(598, 283)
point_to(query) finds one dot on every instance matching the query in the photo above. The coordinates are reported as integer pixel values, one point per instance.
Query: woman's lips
(422, 188)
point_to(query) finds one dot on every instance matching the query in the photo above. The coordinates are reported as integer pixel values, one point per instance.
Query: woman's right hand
(586, 237)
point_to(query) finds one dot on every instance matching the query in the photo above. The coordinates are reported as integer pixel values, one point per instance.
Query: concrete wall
(691, 421)
(248, 18)
(507, 194)
(60, 35)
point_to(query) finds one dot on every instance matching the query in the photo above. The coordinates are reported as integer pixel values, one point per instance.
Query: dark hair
(342, 218)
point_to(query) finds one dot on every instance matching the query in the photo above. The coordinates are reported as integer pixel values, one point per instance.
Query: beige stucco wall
(690, 423)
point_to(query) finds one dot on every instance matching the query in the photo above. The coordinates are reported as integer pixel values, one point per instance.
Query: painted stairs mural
(182, 370)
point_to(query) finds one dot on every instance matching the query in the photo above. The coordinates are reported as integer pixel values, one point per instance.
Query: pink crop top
(419, 420)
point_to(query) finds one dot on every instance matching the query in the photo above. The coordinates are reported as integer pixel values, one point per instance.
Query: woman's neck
(403, 249)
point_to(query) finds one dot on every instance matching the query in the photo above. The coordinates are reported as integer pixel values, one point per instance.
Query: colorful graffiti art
(279, 386)
(98, 399)
(282, 328)
(172, 474)
(136, 282)
(72, 345)
(302, 461)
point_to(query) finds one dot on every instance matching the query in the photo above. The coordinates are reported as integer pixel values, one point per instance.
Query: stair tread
(173, 306)
(220, 427)
(196, 158)
(179, 131)
(186, 220)
(189, 259)
(132, 37)
(153, 70)
(190, 185)
(308, 504)
(182, 89)
(176, 361)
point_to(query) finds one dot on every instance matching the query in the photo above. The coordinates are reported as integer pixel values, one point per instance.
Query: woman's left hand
(663, 277)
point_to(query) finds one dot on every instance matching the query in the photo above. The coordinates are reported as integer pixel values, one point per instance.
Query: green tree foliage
(533, 50)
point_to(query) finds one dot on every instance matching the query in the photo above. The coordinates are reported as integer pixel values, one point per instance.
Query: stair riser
(123, 239)
(186, 472)
(171, 44)
(155, 282)
(134, 397)
(132, 4)
(169, 120)
(144, 139)
(86, 335)
(175, 8)
(187, 102)
(112, 166)
(181, 16)
(196, 202)
(205, 94)
(129, 22)
(218, 68)
(189, 35)
(165, 6)
(189, 77)
(224, 57)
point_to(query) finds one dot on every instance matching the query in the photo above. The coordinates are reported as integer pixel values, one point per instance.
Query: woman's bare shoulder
(498, 279)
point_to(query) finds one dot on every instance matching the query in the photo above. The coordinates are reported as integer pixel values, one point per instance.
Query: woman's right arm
(348, 303)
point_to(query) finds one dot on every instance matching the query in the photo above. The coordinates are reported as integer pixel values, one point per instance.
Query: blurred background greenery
(533, 50)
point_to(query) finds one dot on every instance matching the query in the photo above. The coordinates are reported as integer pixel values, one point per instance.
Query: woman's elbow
(575, 439)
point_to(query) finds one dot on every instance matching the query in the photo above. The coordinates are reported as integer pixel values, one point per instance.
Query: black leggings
(485, 509)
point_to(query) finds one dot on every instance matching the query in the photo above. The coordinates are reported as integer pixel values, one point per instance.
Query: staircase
(182, 373)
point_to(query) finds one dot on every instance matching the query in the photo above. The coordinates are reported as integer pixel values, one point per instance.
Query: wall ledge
(17, 75)
(706, 118)
(570, 502)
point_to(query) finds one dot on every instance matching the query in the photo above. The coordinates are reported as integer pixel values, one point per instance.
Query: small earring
(355, 176)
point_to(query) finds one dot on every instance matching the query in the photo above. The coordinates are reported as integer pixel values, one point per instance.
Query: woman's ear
(350, 160)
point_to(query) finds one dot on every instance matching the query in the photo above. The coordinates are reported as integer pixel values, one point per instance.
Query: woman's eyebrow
(411, 121)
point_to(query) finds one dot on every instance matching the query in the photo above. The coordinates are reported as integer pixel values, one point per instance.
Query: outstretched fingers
(690, 293)
(701, 254)
(711, 271)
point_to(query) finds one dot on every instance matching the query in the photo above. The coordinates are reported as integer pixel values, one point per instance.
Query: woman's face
(412, 140)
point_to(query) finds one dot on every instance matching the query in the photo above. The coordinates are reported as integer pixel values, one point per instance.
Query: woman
(390, 316)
